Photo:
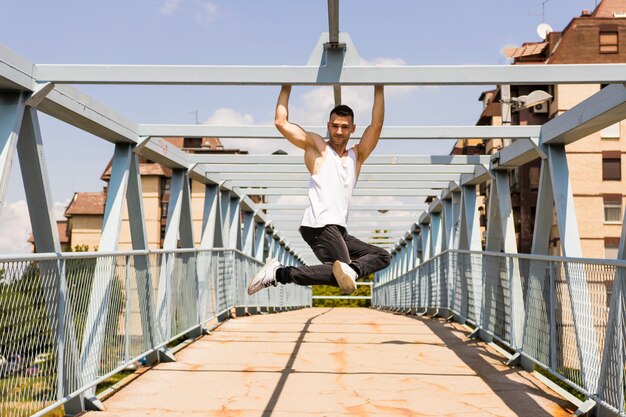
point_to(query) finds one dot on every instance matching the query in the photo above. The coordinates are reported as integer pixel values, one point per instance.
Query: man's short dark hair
(342, 110)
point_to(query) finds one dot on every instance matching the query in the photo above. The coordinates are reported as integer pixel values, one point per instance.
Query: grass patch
(562, 384)
(361, 290)
(114, 379)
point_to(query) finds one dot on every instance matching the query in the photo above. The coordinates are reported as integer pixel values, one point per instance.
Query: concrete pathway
(335, 362)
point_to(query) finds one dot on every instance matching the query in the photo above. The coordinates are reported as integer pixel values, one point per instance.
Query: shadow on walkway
(338, 362)
(484, 360)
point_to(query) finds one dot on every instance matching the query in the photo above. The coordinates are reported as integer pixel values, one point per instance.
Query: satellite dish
(543, 29)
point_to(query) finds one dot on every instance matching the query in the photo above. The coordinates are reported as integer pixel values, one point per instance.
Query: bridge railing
(564, 315)
(69, 321)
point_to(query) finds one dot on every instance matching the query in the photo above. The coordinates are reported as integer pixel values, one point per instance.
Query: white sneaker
(345, 276)
(265, 277)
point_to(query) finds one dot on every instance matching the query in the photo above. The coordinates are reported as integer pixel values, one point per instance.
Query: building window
(165, 184)
(611, 247)
(191, 143)
(533, 175)
(612, 208)
(611, 132)
(611, 166)
(609, 41)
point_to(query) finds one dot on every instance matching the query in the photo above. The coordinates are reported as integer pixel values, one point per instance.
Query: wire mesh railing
(567, 316)
(69, 321)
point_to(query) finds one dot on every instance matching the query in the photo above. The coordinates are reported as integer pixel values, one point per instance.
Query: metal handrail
(561, 314)
(70, 320)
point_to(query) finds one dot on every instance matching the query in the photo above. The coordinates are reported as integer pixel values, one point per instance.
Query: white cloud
(169, 6)
(227, 116)
(208, 12)
(16, 228)
(230, 117)
(314, 106)
(504, 49)
(383, 62)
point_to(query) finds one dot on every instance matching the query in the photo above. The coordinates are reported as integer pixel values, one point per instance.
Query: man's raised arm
(372, 132)
(291, 131)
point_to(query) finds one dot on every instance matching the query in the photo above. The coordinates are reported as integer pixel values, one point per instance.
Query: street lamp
(533, 99)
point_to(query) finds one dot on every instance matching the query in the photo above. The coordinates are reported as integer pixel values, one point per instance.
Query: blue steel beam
(606, 107)
(388, 132)
(314, 75)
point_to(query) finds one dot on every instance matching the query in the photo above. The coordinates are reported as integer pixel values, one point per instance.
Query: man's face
(340, 128)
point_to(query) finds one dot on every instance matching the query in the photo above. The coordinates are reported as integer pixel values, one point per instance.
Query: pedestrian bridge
(463, 321)
(336, 362)
(69, 321)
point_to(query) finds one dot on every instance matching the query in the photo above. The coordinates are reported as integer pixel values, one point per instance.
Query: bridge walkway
(336, 362)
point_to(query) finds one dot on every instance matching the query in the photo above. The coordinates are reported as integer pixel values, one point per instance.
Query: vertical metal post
(469, 233)
(507, 227)
(37, 184)
(611, 380)
(248, 233)
(470, 239)
(447, 222)
(495, 242)
(576, 279)
(187, 240)
(11, 113)
(537, 296)
(552, 315)
(127, 310)
(456, 219)
(418, 244)
(141, 263)
(212, 236)
(425, 232)
(170, 242)
(411, 251)
(436, 234)
(564, 201)
(59, 336)
(225, 217)
(276, 247)
(283, 253)
(259, 241)
(505, 211)
(45, 233)
(235, 223)
(100, 297)
(185, 233)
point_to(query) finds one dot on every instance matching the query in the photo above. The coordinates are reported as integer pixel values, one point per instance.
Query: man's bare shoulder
(315, 143)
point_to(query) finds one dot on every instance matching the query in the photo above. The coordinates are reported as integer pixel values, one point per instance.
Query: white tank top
(330, 190)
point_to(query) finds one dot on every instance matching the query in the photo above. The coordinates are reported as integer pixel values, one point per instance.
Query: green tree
(326, 290)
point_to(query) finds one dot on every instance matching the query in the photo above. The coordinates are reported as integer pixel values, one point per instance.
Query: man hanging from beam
(334, 172)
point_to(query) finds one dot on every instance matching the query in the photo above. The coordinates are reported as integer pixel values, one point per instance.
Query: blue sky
(254, 32)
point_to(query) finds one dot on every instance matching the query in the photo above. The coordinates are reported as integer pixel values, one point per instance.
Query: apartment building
(595, 162)
(86, 209)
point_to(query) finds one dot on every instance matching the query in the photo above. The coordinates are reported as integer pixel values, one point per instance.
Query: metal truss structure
(414, 231)
(29, 88)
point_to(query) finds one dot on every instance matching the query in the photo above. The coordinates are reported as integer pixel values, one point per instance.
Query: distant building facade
(595, 162)
(86, 210)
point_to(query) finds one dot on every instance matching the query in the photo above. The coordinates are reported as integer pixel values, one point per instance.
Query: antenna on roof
(543, 10)
(543, 29)
(196, 113)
